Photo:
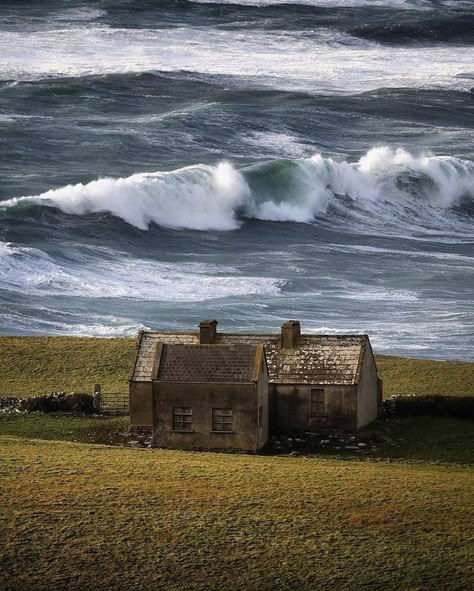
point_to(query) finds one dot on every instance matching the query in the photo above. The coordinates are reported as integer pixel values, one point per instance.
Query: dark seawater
(253, 161)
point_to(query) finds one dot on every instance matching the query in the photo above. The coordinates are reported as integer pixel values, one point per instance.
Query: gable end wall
(141, 404)
(367, 390)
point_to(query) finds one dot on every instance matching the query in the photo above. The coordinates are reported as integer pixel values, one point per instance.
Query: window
(222, 419)
(182, 419)
(317, 402)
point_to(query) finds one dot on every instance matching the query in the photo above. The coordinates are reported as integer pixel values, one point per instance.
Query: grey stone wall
(367, 391)
(141, 404)
(202, 398)
(291, 407)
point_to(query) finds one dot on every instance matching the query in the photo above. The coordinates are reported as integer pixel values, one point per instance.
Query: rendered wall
(263, 401)
(141, 404)
(202, 398)
(291, 407)
(368, 391)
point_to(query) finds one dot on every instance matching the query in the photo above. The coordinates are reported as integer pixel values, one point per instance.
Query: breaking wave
(219, 197)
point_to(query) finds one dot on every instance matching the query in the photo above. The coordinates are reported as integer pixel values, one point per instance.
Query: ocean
(245, 160)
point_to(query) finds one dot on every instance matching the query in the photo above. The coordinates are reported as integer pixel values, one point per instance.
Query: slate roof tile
(207, 363)
(318, 359)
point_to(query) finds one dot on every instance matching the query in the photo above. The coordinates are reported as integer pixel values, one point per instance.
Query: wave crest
(198, 197)
(218, 197)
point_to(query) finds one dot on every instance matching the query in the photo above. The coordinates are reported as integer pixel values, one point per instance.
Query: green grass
(426, 439)
(64, 427)
(402, 375)
(40, 365)
(75, 514)
(33, 366)
(81, 516)
(419, 439)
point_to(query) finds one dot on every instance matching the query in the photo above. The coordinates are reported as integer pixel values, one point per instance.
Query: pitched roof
(318, 359)
(238, 363)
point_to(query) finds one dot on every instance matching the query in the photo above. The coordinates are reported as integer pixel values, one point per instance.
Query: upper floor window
(182, 418)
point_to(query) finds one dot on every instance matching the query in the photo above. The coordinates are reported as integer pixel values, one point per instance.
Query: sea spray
(197, 197)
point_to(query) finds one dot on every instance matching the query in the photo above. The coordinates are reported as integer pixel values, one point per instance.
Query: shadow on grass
(65, 427)
(427, 439)
(416, 439)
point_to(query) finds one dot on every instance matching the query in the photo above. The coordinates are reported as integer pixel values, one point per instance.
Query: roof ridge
(255, 334)
(213, 345)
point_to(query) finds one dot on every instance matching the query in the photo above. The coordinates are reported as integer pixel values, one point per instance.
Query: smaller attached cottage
(211, 397)
(321, 381)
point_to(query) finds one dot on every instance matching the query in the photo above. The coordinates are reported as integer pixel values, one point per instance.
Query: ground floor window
(317, 402)
(222, 419)
(182, 418)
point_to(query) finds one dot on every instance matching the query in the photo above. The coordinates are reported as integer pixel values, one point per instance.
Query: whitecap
(322, 62)
(33, 272)
(392, 187)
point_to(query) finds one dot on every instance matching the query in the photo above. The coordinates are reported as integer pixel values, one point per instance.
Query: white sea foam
(401, 335)
(276, 144)
(407, 4)
(198, 197)
(34, 272)
(438, 261)
(320, 62)
(42, 319)
(79, 14)
(205, 197)
(367, 293)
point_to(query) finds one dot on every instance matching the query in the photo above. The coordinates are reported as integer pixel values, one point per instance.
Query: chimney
(290, 334)
(207, 332)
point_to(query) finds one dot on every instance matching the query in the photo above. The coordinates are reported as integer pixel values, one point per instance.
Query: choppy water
(248, 160)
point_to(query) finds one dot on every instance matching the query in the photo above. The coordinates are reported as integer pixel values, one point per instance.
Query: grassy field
(78, 514)
(65, 427)
(403, 375)
(83, 516)
(411, 440)
(428, 439)
(40, 365)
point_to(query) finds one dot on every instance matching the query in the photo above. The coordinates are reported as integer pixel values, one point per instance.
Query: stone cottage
(314, 381)
(211, 396)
